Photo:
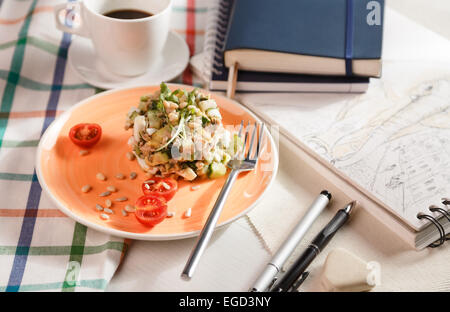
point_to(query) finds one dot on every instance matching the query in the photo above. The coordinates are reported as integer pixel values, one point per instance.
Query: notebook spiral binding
(215, 33)
(443, 237)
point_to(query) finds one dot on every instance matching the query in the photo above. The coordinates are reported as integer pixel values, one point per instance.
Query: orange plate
(62, 171)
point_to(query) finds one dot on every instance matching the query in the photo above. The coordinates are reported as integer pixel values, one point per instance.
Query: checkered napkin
(40, 248)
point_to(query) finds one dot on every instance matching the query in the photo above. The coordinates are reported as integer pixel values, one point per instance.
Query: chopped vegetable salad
(180, 134)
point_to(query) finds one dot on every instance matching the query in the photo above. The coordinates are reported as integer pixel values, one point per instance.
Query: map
(397, 148)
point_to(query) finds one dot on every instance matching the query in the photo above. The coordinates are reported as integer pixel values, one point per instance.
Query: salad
(180, 134)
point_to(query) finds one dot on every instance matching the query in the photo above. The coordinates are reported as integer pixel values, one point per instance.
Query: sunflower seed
(120, 176)
(107, 193)
(195, 187)
(129, 208)
(100, 176)
(108, 203)
(84, 152)
(107, 210)
(133, 175)
(150, 181)
(104, 216)
(130, 156)
(111, 188)
(99, 207)
(121, 199)
(170, 214)
(124, 213)
(165, 185)
(188, 212)
(86, 188)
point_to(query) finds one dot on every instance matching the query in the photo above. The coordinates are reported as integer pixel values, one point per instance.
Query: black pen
(288, 282)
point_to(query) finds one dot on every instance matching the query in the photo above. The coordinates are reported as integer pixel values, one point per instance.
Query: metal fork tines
(244, 161)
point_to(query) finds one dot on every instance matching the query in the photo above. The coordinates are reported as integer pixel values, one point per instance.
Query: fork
(237, 165)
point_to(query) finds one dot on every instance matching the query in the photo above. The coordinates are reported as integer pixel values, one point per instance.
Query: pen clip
(272, 283)
(300, 281)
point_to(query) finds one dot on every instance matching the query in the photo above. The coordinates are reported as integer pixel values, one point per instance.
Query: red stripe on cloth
(190, 37)
(32, 114)
(194, 32)
(22, 18)
(126, 244)
(41, 213)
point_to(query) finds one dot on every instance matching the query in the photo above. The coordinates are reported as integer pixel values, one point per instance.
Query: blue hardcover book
(328, 37)
(211, 65)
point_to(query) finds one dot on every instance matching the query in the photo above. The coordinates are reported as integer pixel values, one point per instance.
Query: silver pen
(268, 276)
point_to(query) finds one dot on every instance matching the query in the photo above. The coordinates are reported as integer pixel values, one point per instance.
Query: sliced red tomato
(164, 187)
(85, 134)
(150, 210)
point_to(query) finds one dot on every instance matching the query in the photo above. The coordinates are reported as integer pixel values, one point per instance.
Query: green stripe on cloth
(99, 90)
(76, 257)
(34, 41)
(16, 176)
(16, 79)
(63, 250)
(93, 284)
(13, 77)
(31, 143)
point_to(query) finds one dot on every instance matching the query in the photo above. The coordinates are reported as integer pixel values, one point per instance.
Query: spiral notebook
(210, 65)
(390, 153)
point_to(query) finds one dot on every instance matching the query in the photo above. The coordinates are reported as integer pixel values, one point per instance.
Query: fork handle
(208, 228)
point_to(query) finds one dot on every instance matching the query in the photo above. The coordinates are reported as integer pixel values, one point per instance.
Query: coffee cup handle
(70, 10)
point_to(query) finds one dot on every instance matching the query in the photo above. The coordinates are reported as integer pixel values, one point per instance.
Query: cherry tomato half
(164, 187)
(85, 134)
(150, 210)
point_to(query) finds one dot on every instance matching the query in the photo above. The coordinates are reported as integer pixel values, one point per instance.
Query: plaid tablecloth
(40, 248)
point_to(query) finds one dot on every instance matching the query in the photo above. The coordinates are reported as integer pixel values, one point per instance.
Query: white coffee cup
(125, 46)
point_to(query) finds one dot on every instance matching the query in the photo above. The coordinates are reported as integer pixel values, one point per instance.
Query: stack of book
(292, 45)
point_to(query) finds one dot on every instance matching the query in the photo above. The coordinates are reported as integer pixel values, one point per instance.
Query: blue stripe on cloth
(26, 233)
(34, 196)
(58, 79)
(349, 39)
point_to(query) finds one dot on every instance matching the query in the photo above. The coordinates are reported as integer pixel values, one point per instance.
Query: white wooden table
(232, 260)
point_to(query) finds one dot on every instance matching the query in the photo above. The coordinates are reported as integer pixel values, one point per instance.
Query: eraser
(343, 271)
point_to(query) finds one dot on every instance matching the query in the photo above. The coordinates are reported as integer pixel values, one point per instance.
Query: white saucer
(172, 62)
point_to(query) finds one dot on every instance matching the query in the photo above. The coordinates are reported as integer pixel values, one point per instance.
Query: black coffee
(128, 14)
